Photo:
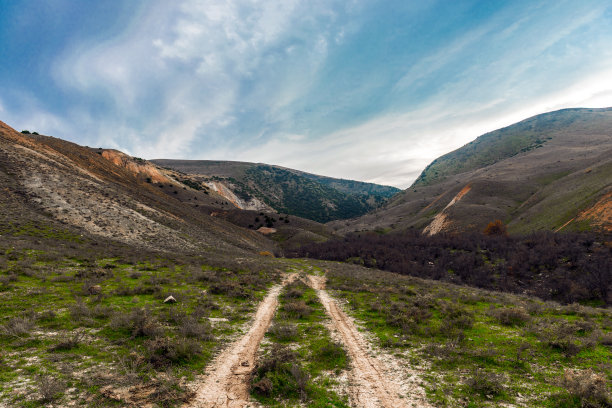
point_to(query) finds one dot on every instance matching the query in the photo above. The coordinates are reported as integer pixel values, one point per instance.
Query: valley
(170, 283)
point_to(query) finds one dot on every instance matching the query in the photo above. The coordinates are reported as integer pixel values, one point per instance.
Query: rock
(94, 290)
(170, 299)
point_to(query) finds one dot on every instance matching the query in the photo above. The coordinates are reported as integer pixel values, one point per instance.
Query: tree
(496, 227)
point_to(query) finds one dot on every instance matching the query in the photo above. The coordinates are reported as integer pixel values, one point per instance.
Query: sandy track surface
(369, 384)
(227, 385)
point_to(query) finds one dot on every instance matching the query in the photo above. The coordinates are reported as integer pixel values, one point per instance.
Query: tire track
(227, 384)
(369, 386)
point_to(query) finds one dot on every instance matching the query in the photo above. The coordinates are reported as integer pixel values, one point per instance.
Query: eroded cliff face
(136, 166)
(600, 214)
(441, 221)
(224, 191)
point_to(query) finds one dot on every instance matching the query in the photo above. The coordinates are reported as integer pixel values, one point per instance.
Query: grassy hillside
(549, 172)
(501, 144)
(83, 323)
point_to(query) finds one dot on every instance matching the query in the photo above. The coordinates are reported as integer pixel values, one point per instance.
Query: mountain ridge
(285, 190)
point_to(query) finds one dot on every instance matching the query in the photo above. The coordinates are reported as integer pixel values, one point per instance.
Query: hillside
(123, 284)
(58, 182)
(258, 186)
(549, 172)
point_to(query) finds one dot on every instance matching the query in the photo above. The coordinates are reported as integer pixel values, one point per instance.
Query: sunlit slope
(549, 172)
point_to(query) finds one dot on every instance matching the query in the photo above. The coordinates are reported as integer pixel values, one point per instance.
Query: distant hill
(549, 172)
(258, 186)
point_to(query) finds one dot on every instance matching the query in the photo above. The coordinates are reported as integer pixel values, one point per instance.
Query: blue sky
(368, 90)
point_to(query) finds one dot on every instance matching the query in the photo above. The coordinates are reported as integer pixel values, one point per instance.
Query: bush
(17, 327)
(280, 375)
(80, 312)
(190, 327)
(297, 309)
(496, 227)
(485, 383)
(163, 352)
(230, 288)
(294, 291)
(50, 388)
(69, 342)
(284, 332)
(139, 322)
(331, 355)
(561, 335)
(510, 316)
(589, 388)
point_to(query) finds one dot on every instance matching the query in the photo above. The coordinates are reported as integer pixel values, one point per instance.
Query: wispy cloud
(370, 90)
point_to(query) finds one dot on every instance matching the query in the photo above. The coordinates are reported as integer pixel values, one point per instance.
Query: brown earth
(601, 213)
(227, 384)
(441, 221)
(75, 186)
(370, 384)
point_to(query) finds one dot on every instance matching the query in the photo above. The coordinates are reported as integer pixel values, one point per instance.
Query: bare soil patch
(227, 384)
(370, 384)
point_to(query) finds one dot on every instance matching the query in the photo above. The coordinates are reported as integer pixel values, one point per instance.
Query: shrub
(162, 352)
(79, 311)
(230, 288)
(284, 332)
(605, 339)
(50, 388)
(294, 292)
(280, 374)
(485, 383)
(561, 335)
(510, 316)
(297, 309)
(589, 388)
(47, 316)
(331, 355)
(496, 227)
(69, 342)
(17, 327)
(190, 327)
(133, 368)
(169, 391)
(139, 322)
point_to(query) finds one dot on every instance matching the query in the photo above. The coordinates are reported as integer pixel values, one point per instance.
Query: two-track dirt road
(227, 384)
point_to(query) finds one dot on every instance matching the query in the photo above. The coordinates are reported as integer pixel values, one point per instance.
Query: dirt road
(227, 385)
(369, 386)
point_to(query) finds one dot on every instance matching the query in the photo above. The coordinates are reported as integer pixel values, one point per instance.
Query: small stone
(94, 290)
(170, 299)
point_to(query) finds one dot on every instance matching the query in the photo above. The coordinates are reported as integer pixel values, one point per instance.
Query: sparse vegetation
(297, 367)
(132, 313)
(480, 348)
(58, 333)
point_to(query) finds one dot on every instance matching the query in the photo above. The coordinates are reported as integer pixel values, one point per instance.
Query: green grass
(478, 348)
(128, 335)
(300, 361)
